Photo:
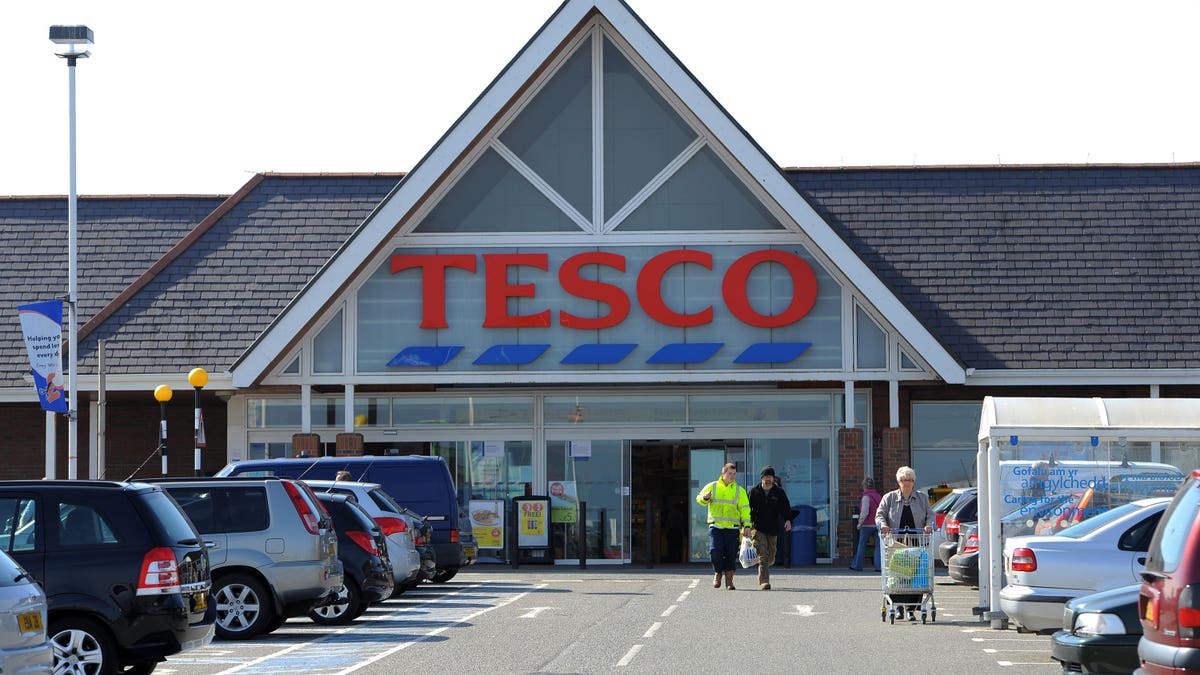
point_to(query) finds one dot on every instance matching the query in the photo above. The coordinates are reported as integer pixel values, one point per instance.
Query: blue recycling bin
(804, 536)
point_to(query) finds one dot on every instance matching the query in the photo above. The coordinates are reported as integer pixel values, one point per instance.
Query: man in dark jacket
(769, 511)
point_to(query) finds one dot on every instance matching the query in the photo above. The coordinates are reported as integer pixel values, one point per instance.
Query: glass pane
(703, 195)
(870, 341)
(327, 347)
(293, 367)
(861, 400)
(493, 197)
(553, 134)
(371, 412)
(328, 412)
(906, 362)
(567, 410)
(802, 466)
(760, 408)
(642, 134)
(263, 413)
(466, 410)
(597, 480)
(946, 425)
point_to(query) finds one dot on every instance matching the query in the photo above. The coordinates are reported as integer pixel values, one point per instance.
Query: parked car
(941, 509)
(362, 548)
(399, 525)
(965, 511)
(1169, 601)
(466, 537)
(963, 566)
(125, 574)
(24, 646)
(1100, 632)
(1105, 551)
(272, 546)
(418, 482)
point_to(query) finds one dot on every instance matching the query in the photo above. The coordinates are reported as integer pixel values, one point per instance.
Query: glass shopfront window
(594, 472)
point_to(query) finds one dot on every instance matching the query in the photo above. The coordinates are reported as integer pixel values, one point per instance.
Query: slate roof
(117, 239)
(1070, 267)
(244, 265)
(1010, 267)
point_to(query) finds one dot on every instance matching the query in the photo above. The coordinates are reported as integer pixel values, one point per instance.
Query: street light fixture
(162, 394)
(72, 36)
(198, 377)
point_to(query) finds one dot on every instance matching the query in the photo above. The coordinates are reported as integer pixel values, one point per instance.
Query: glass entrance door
(704, 466)
(596, 473)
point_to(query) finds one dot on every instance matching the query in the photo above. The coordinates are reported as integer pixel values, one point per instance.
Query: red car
(1169, 602)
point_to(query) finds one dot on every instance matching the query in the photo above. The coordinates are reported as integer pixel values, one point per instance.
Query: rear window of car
(384, 501)
(224, 509)
(947, 502)
(167, 516)
(1166, 549)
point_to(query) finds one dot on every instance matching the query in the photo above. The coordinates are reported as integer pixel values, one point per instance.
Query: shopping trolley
(908, 575)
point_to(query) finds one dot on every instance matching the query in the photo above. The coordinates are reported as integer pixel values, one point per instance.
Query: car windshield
(1098, 521)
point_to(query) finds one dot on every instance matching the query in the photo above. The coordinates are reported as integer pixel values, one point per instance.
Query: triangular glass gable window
(493, 197)
(642, 134)
(293, 368)
(540, 171)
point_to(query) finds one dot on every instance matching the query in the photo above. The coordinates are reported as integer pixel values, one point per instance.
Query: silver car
(24, 647)
(271, 545)
(392, 519)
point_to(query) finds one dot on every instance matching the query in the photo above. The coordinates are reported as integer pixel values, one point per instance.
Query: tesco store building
(596, 280)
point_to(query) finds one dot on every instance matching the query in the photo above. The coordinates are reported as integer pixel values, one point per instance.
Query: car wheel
(140, 668)
(274, 624)
(341, 611)
(442, 576)
(83, 646)
(243, 607)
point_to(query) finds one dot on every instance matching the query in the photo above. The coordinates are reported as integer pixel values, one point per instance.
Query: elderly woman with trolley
(905, 522)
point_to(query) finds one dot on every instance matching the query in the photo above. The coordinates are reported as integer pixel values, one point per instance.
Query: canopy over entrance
(1024, 443)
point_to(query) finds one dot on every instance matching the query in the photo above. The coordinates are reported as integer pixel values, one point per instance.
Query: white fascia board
(177, 381)
(1082, 377)
(768, 175)
(380, 224)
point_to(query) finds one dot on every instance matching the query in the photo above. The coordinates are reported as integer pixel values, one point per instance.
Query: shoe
(856, 569)
(717, 580)
(764, 587)
(729, 581)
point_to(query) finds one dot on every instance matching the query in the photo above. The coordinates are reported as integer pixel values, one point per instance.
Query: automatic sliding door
(595, 472)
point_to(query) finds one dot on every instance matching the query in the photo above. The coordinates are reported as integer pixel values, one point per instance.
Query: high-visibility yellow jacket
(729, 507)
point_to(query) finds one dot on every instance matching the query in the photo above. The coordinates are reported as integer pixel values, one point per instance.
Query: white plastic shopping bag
(748, 555)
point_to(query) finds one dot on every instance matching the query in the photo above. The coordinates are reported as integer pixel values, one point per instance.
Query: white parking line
(533, 612)
(629, 655)
(669, 610)
(1055, 664)
(683, 596)
(653, 629)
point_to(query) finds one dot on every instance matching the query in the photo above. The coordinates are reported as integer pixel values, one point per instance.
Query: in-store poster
(564, 501)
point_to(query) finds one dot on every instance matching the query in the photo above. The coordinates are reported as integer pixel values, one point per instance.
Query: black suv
(125, 574)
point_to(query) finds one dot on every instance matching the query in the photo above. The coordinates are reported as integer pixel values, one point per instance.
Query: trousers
(723, 548)
(865, 534)
(765, 544)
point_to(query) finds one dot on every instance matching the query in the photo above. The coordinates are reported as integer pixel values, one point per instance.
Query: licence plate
(199, 602)
(470, 551)
(30, 622)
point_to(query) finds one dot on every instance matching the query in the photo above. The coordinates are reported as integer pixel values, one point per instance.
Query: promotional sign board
(487, 522)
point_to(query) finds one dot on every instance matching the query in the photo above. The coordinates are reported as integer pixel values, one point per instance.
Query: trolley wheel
(893, 618)
(883, 615)
(933, 615)
(922, 618)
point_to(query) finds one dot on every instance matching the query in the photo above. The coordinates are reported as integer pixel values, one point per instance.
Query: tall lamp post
(198, 377)
(72, 36)
(162, 394)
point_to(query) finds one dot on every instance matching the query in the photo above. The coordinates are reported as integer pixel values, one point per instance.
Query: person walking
(866, 525)
(769, 509)
(904, 507)
(728, 515)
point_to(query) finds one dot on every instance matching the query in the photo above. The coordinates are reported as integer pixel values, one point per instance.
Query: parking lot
(492, 619)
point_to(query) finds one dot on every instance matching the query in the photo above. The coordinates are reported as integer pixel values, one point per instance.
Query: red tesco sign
(498, 290)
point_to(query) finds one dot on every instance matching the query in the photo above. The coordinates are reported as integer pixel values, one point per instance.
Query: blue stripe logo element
(683, 352)
(598, 354)
(772, 352)
(510, 355)
(413, 357)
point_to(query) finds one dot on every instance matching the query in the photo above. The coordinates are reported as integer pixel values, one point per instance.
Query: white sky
(194, 98)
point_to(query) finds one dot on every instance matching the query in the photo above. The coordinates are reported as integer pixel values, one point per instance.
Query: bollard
(649, 534)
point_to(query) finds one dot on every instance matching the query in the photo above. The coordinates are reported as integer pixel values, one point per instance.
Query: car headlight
(1091, 623)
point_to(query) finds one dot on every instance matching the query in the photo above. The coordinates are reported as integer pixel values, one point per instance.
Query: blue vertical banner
(41, 322)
